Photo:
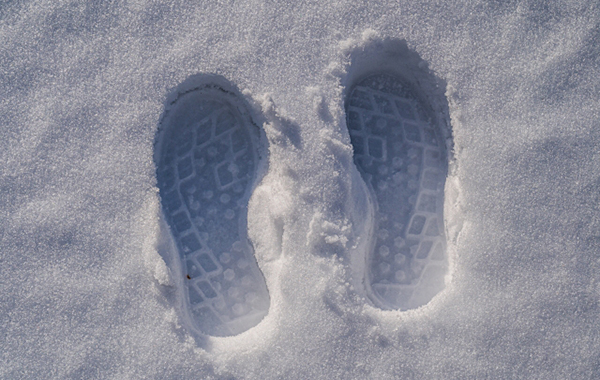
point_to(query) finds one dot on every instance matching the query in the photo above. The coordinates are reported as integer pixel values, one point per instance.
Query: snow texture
(92, 282)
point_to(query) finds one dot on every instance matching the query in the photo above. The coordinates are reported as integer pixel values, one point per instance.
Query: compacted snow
(296, 190)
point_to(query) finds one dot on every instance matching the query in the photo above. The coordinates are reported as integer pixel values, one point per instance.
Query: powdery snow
(87, 290)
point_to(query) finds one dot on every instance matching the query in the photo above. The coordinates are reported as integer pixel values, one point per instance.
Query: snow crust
(85, 292)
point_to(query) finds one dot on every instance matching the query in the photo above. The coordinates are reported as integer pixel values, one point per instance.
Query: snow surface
(85, 293)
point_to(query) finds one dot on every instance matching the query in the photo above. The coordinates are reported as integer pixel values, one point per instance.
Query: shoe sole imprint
(206, 170)
(400, 153)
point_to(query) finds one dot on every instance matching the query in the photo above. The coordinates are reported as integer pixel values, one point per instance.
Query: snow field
(86, 293)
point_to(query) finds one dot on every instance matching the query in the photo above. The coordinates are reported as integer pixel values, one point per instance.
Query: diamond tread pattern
(401, 156)
(205, 177)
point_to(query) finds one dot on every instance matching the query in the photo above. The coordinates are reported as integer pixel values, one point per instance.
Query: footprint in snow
(207, 156)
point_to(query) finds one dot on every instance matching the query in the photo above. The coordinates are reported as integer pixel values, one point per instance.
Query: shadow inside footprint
(397, 118)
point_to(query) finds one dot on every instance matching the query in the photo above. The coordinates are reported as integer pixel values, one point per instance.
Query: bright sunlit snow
(500, 98)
